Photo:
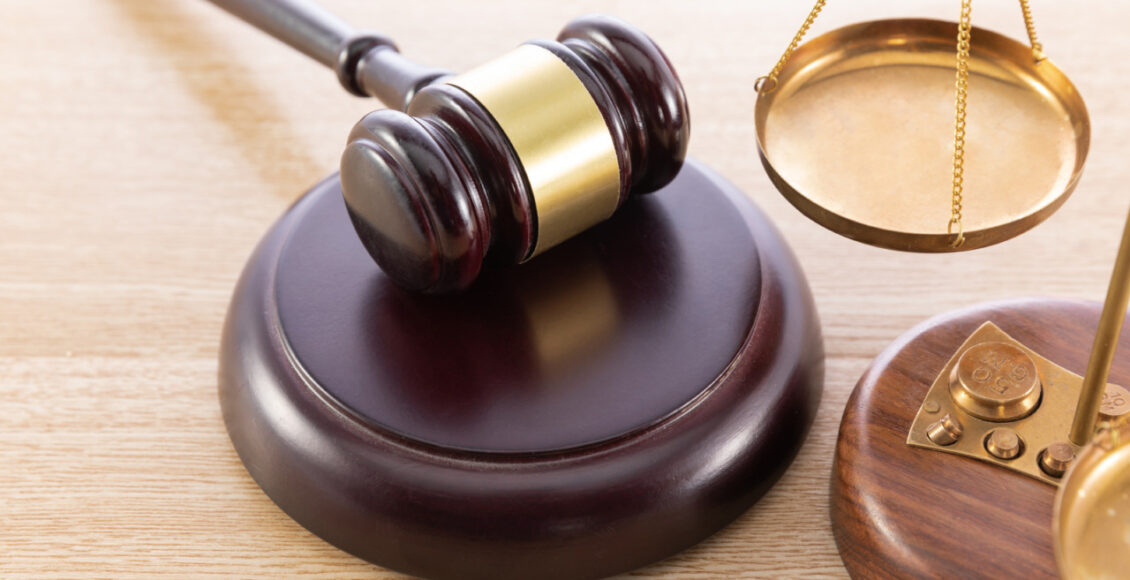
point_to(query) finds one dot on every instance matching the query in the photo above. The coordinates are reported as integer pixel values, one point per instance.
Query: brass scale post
(1106, 339)
(989, 402)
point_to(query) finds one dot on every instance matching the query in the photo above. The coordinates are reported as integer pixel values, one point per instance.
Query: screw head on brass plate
(996, 381)
(1056, 458)
(1116, 403)
(1004, 443)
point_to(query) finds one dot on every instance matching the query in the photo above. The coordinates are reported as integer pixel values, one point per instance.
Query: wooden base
(616, 400)
(904, 512)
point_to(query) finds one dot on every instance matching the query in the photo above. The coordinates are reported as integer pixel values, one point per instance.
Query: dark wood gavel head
(515, 156)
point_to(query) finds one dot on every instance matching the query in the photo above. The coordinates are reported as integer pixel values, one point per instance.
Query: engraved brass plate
(1008, 368)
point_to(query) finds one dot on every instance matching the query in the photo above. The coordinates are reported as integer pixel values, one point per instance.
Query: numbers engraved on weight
(995, 381)
(998, 373)
(1116, 401)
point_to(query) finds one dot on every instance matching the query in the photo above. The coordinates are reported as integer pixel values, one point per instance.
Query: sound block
(906, 512)
(612, 402)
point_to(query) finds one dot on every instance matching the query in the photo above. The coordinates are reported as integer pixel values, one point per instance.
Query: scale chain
(964, 26)
(1030, 26)
(760, 85)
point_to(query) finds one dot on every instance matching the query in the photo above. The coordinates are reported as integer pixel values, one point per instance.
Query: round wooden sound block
(610, 403)
(908, 512)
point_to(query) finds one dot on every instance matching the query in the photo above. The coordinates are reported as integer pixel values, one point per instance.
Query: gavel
(506, 160)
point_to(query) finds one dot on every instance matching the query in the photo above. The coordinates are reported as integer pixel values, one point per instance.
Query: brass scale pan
(1092, 509)
(858, 134)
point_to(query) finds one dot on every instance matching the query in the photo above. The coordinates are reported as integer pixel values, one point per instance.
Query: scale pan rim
(1100, 468)
(848, 42)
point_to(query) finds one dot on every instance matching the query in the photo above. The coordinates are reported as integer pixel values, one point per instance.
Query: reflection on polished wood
(148, 145)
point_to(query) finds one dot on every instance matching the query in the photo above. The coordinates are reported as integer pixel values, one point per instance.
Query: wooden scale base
(610, 403)
(907, 512)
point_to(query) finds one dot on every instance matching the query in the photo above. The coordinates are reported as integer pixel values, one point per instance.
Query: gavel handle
(366, 64)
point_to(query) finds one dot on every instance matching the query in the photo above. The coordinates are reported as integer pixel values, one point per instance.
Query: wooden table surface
(145, 145)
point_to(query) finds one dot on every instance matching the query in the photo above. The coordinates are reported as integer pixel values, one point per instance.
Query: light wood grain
(145, 145)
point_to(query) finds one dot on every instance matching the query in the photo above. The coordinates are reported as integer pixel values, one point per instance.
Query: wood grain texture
(147, 145)
(905, 512)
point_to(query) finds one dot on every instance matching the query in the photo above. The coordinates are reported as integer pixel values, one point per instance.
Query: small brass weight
(1000, 402)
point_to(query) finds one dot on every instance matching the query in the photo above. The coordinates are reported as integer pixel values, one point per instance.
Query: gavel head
(515, 156)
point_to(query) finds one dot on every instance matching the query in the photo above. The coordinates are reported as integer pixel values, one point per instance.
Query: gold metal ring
(760, 87)
(559, 134)
(960, 239)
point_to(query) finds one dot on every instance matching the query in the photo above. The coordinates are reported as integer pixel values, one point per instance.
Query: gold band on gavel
(559, 134)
